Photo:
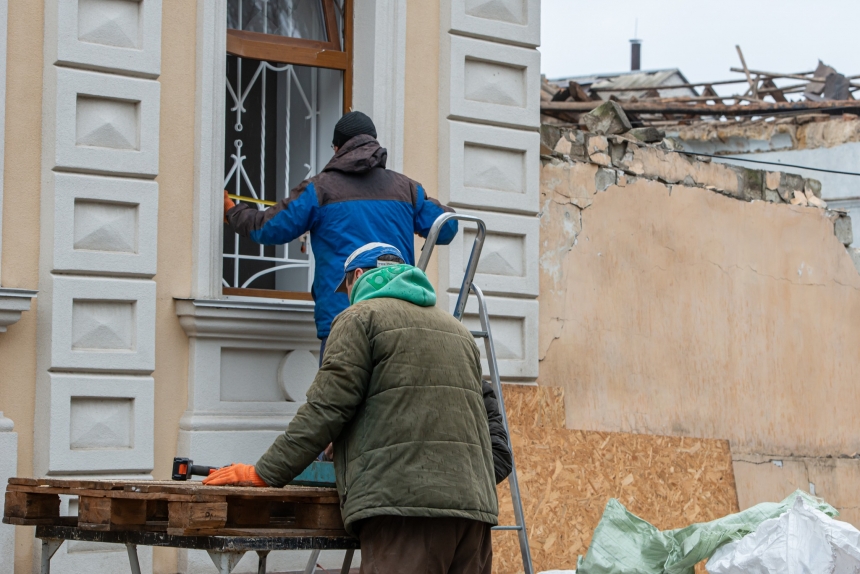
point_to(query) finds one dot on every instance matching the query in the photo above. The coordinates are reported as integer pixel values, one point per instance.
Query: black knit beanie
(350, 125)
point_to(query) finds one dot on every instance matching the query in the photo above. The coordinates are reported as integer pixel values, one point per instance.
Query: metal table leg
(49, 548)
(225, 560)
(262, 558)
(132, 558)
(347, 561)
(312, 562)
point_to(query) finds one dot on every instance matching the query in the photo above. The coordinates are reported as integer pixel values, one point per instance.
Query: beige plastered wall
(675, 310)
(20, 256)
(175, 224)
(421, 108)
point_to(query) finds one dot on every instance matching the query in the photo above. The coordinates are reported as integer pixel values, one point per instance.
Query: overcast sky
(581, 37)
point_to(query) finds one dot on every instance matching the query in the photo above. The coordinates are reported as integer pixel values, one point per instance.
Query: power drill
(184, 469)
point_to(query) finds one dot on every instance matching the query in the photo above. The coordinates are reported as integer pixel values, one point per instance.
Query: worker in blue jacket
(353, 201)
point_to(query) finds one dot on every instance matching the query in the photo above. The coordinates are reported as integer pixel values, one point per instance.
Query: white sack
(801, 541)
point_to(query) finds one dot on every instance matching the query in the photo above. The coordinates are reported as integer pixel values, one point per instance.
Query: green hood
(397, 282)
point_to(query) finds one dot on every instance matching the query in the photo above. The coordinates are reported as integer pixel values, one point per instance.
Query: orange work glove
(228, 205)
(235, 475)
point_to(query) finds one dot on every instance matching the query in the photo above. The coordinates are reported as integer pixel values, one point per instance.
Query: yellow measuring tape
(251, 199)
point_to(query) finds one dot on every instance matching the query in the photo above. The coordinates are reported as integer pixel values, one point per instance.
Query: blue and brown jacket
(354, 200)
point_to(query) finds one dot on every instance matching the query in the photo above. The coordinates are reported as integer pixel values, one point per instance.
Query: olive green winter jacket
(399, 394)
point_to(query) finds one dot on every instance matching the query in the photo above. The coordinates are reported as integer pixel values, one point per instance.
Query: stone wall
(815, 140)
(688, 298)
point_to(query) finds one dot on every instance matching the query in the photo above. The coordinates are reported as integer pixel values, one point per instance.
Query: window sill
(281, 320)
(13, 302)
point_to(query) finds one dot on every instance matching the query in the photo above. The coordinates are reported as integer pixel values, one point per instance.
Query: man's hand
(228, 205)
(235, 475)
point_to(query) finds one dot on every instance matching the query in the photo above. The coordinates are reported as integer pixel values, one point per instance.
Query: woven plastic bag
(803, 540)
(623, 543)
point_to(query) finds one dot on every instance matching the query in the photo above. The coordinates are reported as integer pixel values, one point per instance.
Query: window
(289, 80)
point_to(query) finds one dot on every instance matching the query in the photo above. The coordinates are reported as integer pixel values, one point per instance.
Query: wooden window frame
(312, 53)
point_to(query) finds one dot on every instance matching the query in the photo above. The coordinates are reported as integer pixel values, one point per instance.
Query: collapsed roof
(665, 97)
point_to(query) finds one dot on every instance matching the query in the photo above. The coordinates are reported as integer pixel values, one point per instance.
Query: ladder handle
(474, 256)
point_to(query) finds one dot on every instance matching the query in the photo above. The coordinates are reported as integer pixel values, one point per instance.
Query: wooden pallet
(178, 508)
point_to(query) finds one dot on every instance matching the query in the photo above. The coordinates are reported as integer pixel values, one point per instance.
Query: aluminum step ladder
(486, 334)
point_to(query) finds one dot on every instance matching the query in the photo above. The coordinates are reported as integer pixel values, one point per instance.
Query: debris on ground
(804, 539)
(623, 542)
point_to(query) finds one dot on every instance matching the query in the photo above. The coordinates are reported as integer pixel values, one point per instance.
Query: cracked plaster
(677, 310)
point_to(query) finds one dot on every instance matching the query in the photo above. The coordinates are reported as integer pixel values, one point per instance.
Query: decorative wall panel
(251, 375)
(507, 21)
(489, 167)
(494, 83)
(110, 22)
(108, 227)
(489, 83)
(103, 324)
(514, 323)
(101, 424)
(508, 263)
(105, 225)
(106, 123)
(122, 36)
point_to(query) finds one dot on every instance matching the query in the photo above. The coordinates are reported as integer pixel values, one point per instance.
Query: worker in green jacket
(399, 395)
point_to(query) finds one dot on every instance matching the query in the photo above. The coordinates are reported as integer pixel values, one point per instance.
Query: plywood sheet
(567, 476)
(528, 405)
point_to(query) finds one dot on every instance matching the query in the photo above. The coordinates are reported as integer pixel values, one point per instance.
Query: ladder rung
(507, 528)
(479, 334)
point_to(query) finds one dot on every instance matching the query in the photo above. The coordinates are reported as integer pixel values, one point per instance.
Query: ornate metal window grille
(279, 118)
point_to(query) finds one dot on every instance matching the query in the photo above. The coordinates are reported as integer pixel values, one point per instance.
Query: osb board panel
(566, 478)
(534, 405)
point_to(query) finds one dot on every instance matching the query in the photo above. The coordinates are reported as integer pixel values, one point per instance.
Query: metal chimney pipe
(635, 54)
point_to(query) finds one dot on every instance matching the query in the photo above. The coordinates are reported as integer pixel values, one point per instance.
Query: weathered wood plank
(110, 513)
(194, 497)
(184, 516)
(31, 506)
(321, 516)
(55, 521)
(246, 512)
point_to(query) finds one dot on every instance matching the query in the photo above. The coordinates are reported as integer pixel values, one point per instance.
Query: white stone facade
(96, 328)
(489, 118)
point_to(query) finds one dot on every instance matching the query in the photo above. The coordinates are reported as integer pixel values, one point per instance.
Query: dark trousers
(415, 545)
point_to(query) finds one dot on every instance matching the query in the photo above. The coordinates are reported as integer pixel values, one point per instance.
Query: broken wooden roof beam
(753, 109)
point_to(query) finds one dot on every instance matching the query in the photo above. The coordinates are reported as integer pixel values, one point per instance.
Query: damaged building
(689, 296)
